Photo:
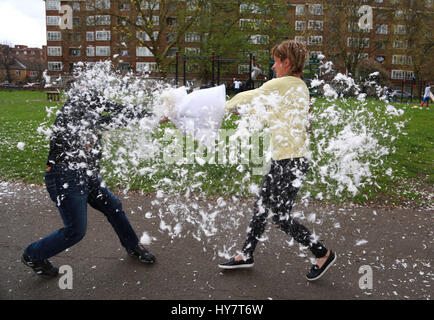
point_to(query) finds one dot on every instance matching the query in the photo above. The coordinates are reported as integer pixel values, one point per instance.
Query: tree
(7, 59)
(364, 74)
(236, 28)
(159, 26)
(345, 41)
(413, 26)
(275, 28)
(162, 26)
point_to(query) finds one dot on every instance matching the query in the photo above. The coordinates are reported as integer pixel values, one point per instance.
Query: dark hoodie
(75, 142)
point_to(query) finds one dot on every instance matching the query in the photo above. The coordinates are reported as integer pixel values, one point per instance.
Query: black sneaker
(315, 272)
(142, 254)
(41, 267)
(233, 264)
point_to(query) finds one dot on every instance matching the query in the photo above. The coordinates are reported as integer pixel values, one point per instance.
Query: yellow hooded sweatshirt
(286, 113)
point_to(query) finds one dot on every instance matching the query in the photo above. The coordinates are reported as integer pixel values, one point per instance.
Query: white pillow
(200, 113)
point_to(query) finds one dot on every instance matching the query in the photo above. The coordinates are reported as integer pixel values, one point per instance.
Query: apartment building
(91, 36)
(94, 35)
(316, 23)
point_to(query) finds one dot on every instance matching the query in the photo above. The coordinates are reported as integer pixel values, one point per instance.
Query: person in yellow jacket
(287, 115)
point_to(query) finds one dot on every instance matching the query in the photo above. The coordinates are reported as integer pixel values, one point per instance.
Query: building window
(102, 20)
(380, 45)
(74, 36)
(124, 37)
(381, 29)
(76, 6)
(90, 36)
(102, 51)
(150, 5)
(75, 21)
(409, 75)
(193, 67)
(300, 10)
(400, 29)
(90, 51)
(315, 25)
(55, 66)
(398, 74)
(243, 69)
(74, 52)
(140, 21)
(102, 35)
(90, 20)
(54, 36)
(402, 60)
(170, 37)
(399, 13)
(53, 20)
(172, 52)
(143, 36)
(314, 40)
(192, 51)
(192, 37)
(54, 51)
(358, 42)
(354, 27)
(124, 52)
(400, 44)
(124, 66)
(102, 4)
(301, 39)
(300, 25)
(143, 52)
(250, 8)
(172, 21)
(97, 4)
(124, 6)
(258, 39)
(316, 9)
(429, 3)
(53, 5)
(17, 73)
(146, 66)
(314, 54)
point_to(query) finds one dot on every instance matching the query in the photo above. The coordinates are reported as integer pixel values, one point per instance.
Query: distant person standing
(256, 71)
(237, 86)
(386, 92)
(426, 97)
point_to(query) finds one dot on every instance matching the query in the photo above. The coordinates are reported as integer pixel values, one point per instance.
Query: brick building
(320, 25)
(20, 64)
(94, 35)
(30, 54)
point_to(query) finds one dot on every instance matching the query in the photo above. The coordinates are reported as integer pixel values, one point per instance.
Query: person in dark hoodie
(72, 177)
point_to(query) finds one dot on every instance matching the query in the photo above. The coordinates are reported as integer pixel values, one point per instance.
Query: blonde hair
(295, 51)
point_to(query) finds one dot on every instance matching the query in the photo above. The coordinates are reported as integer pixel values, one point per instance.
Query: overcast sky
(23, 22)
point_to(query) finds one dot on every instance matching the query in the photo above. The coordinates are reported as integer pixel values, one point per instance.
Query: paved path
(399, 249)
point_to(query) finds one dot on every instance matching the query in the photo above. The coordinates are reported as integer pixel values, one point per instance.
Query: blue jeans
(71, 192)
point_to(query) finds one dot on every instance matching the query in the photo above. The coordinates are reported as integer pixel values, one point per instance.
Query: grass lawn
(22, 112)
